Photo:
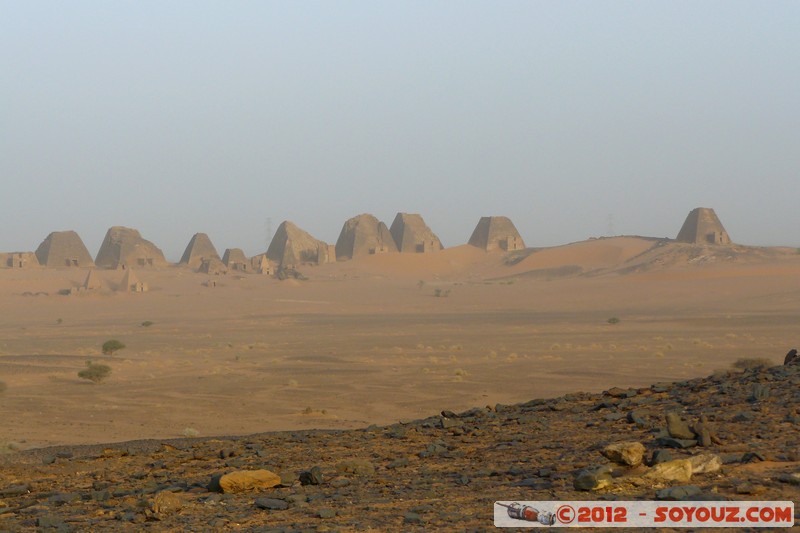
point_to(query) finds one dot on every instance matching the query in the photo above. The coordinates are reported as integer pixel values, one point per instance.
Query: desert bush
(111, 346)
(9, 447)
(613, 320)
(752, 362)
(190, 433)
(95, 372)
(147, 324)
(439, 293)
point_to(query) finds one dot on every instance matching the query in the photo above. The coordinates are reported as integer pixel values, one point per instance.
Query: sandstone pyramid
(234, 259)
(703, 227)
(19, 260)
(261, 265)
(291, 246)
(125, 247)
(130, 283)
(63, 249)
(412, 235)
(198, 249)
(364, 235)
(93, 281)
(212, 265)
(496, 233)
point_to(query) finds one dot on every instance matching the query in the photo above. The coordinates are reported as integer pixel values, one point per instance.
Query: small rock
(669, 442)
(683, 492)
(312, 477)
(448, 423)
(624, 453)
(63, 498)
(272, 504)
(52, 523)
(636, 417)
(750, 457)
(760, 392)
(705, 463)
(412, 518)
(677, 427)
(340, 482)
(660, 456)
(326, 512)
(359, 467)
(167, 502)
(792, 478)
(750, 488)
(675, 470)
(593, 478)
(743, 416)
(245, 480)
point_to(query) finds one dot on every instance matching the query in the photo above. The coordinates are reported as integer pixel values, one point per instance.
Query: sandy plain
(368, 341)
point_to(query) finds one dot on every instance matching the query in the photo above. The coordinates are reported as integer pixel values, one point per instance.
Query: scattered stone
(326, 512)
(52, 523)
(359, 467)
(448, 423)
(166, 503)
(272, 504)
(675, 470)
(675, 443)
(750, 488)
(15, 490)
(705, 463)
(743, 416)
(660, 456)
(246, 480)
(312, 477)
(682, 492)
(636, 417)
(625, 453)
(791, 478)
(750, 457)
(678, 428)
(64, 497)
(593, 478)
(412, 518)
(760, 392)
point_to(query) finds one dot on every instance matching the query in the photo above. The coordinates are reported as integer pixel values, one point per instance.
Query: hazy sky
(575, 119)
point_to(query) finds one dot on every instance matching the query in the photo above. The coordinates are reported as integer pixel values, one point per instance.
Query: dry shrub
(752, 362)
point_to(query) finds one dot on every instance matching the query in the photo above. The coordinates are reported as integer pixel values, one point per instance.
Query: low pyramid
(212, 265)
(291, 246)
(125, 247)
(703, 227)
(19, 260)
(364, 235)
(62, 249)
(412, 235)
(130, 283)
(234, 259)
(93, 281)
(496, 233)
(198, 249)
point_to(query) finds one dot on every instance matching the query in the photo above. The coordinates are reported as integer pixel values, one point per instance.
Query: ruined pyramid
(496, 234)
(63, 249)
(19, 260)
(125, 247)
(234, 259)
(198, 249)
(213, 266)
(131, 283)
(291, 246)
(412, 235)
(364, 235)
(93, 281)
(703, 227)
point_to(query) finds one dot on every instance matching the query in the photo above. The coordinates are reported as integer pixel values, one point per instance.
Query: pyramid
(93, 281)
(364, 235)
(234, 259)
(291, 246)
(213, 265)
(130, 283)
(62, 249)
(261, 265)
(412, 235)
(496, 234)
(125, 247)
(703, 227)
(198, 249)
(19, 260)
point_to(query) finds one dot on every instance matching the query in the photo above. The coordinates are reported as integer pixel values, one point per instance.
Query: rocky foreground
(731, 436)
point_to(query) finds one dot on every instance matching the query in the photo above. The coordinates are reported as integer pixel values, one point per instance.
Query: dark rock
(743, 416)
(677, 427)
(750, 457)
(412, 518)
(326, 512)
(636, 417)
(64, 497)
(448, 423)
(397, 463)
(593, 478)
(49, 523)
(312, 477)
(660, 456)
(449, 414)
(15, 490)
(683, 492)
(760, 392)
(272, 504)
(675, 443)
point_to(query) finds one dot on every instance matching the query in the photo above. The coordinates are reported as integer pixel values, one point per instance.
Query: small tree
(95, 372)
(109, 347)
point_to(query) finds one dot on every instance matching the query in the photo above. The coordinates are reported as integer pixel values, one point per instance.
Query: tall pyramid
(125, 247)
(198, 249)
(496, 234)
(364, 235)
(234, 259)
(703, 227)
(291, 246)
(63, 249)
(412, 235)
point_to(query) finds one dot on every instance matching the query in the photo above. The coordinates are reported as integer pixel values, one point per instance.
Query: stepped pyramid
(703, 227)
(125, 247)
(496, 233)
(291, 246)
(198, 249)
(364, 235)
(234, 259)
(63, 249)
(412, 235)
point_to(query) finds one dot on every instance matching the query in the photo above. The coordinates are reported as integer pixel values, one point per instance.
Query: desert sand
(380, 338)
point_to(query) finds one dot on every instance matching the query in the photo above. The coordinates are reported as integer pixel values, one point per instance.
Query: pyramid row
(291, 246)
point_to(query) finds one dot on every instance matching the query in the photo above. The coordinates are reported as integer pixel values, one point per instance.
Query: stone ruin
(496, 234)
(364, 235)
(198, 250)
(260, 264)
(125, 248)
(291, 246)
(64, 249)
(19, 260)
(213, 266)
(131, 283)
(412, 235)
(703, 227)
(234, 259)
